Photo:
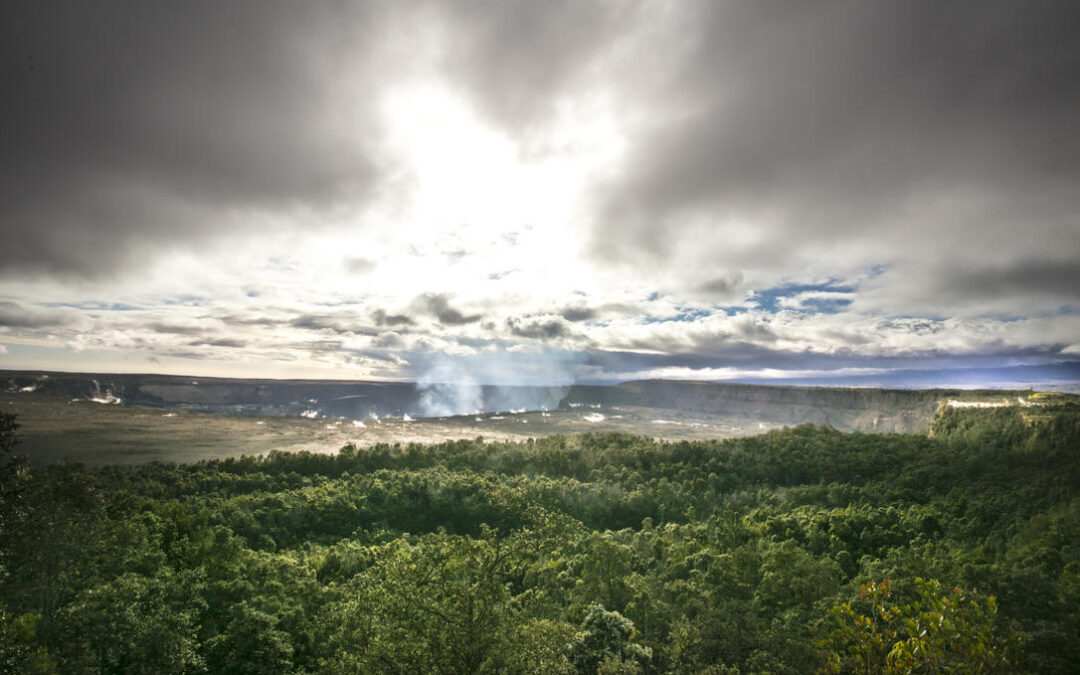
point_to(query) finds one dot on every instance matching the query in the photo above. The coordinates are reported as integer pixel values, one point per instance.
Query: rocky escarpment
(309, 398)
(224, 395)
(879, 410)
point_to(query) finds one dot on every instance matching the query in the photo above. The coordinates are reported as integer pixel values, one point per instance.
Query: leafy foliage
(593, 553)
(604, 644)
(8, 427)
(952, 633)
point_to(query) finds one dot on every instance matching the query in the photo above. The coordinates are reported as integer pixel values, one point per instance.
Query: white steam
(455, 387)
(492, 382)
(448, 389)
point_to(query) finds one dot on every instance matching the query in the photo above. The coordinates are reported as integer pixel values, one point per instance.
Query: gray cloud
(538, 327)
(1043, 278)
(577, 313)
(750, 329)
(319, 346)
(167, 328)
(130, 125)
(238, 320)
(231, 343)
(336, 323)
(15, 315)
(516, 57)
(921, 157)
(134, 127)
(709, 351)
(722, 288)
(816, 125)
(866, 128)
(382, 318)
(971, 287)
(438, 306)
(388, 340)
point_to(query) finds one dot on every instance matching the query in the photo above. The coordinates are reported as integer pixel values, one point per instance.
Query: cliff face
(224, 395)
(312, 398)
(879, 410)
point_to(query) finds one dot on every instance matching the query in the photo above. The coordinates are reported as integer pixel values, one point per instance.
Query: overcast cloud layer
(540, 191)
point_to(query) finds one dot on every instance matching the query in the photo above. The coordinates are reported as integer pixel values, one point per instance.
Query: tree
(439, 606)
(18, 651)
(250, 643)
(951, 633)
(134, 623)
(605, 644)
(8, 426)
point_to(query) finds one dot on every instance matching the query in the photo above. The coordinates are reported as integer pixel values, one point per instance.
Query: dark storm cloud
(578, 313)
(820, 123)
(517, 56)
(538, 328)
(128, 125)
(1059, 279)
(383, 318)
(15, 315)
(438, 306)
(742, 151)
(966, 287)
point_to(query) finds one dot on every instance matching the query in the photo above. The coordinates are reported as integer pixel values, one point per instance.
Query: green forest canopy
(800, 550)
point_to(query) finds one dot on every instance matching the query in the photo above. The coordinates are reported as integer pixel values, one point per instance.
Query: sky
(542, 192)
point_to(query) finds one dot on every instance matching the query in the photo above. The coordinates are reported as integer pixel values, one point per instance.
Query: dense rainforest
(800, 550)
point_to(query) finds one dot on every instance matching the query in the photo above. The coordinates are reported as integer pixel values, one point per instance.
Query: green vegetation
(800, 550)
(938, 633)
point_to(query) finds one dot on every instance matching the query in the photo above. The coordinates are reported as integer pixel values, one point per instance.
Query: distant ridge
(846, 408)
